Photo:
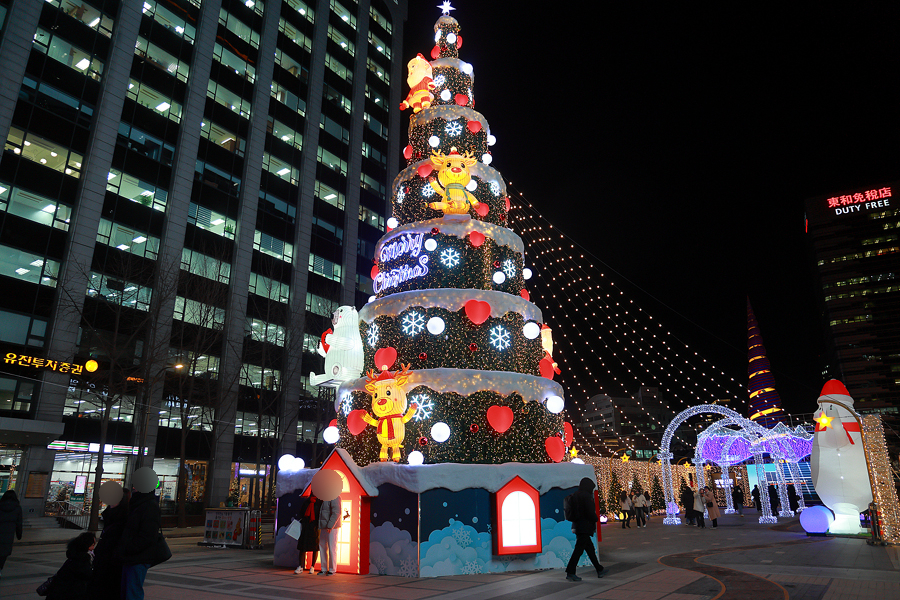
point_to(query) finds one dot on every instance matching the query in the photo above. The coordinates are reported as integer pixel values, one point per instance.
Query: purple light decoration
(816, 519)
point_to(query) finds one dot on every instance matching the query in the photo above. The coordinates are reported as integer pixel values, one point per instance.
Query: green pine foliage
(615, 488)
(684, 486)
(636, 485)
(657, 496)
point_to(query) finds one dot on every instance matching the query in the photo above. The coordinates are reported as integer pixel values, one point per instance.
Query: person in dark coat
(756, 501)
(106, 583)
(774, 500)
(793, 498)
(584, 526)
(137, 545)
(72, 580)
(737, 497)
(687, 501)
(10, 524)
(308, 542)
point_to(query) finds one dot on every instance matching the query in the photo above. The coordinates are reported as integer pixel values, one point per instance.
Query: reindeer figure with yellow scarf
(450, 184)
(389, 405)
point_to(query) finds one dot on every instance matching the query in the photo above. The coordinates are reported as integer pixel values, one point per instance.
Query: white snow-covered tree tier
(449, 476)
(459, 228)
(466, 382)
(450, 299)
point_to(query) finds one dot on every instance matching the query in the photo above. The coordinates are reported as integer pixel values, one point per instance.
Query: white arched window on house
(518, 515)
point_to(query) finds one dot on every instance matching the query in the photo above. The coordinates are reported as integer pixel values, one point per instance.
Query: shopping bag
(294, 529)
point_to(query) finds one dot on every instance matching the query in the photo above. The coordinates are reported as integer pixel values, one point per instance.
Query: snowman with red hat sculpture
(838, 460)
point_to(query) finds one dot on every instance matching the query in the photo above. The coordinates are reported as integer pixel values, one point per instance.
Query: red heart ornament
(474, 126)
(407, 152)
(482, 209)
(570, 433)
(355, 422)
(385, 357)
(461, 99)
(374, 272)
(556, 450)
(476, 238)
(507, 204)
(477, 311)
(500, 418)
(424, 170)
(524, 293)
(546, 368)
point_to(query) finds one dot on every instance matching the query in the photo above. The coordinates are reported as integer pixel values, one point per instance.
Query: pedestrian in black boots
(583, 515)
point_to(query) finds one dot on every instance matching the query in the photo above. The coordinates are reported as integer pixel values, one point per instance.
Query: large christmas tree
(457, 358)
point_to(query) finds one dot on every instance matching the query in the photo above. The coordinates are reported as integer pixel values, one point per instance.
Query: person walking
(329, 527)
(640, 505)
(137, 546)
(72, 580)
(308, 542)
(756, 501)
(698, 509)
(737, 497)
(10, 524)
(793, 498)
(774, 500)
(687, 501)
(712, 506)
(106, 580)
(584, 523)
(625, 505)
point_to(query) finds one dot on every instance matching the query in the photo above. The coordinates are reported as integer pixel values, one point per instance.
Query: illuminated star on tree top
(446, 7)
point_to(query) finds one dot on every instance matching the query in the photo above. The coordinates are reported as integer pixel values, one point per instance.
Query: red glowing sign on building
(860, 198)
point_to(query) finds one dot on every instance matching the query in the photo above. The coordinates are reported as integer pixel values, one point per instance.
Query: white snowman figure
(342, 349)
(838, 460)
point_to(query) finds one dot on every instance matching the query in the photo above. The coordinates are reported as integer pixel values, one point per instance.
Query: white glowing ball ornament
(555, 404)
(331, 435)
(440, 431)
(487, 159)
(430, 244)
(499, 277)
(434, 141)
(415, 458)
(393, 223)
(526, 273)
(445, 95)
(531, 330)
(451, 38)
(289, 463)
(435, 325)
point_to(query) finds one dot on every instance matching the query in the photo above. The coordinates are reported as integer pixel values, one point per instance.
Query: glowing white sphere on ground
(526, 273)
(440, 431)
(531, 330)
(816, 519)
(331, 435)
(430, 244)
(555, 404)
(499, 277)
(415, 458)
(435, 325)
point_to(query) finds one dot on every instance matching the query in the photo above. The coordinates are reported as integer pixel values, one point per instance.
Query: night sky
(678, 144)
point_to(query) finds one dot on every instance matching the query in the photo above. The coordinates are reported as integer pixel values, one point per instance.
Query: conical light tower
(765, 404)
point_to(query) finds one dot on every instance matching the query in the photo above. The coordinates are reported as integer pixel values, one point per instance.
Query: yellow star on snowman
(824, 421)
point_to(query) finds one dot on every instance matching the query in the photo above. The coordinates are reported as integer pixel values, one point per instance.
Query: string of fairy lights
(583, 304)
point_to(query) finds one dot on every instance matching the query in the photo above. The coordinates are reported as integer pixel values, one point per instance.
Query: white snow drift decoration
(440, 431)
(555, 404)
(531, 330)
(451, 299)
(331, 435)
(415, 458)
(435, 326)
(457, 228)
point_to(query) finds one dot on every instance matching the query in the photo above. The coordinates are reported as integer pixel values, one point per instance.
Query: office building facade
(188, 190)
(855, 240)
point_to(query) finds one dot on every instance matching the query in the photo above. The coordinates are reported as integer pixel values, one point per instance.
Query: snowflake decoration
(471, 568)
(495, 188)
(401, 195)
(427, 191)
(449, 258)
(425, 406)
(382, 567)
(408, 568)
(500, 338)
(509, 267)
(440, 80)
(462, 537)
(453, 128)
(372, 335)
(346, 404)
(413, 323)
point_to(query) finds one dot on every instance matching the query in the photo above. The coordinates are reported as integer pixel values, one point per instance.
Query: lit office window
(26, 266)
(34, 207)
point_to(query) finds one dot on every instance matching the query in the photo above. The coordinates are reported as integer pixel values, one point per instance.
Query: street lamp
(142, 387)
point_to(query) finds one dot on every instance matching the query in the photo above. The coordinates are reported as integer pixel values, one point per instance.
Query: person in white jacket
(640, 503)
(699, 507)
(329, 526)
